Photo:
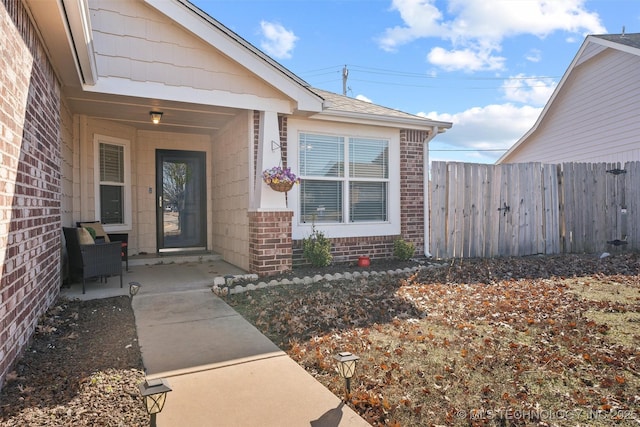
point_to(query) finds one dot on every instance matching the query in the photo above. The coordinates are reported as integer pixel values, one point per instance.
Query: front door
(181, 200)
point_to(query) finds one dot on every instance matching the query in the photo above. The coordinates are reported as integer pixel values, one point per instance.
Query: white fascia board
(79, 23)
(239, 50)
(378, 120)
(154, 90)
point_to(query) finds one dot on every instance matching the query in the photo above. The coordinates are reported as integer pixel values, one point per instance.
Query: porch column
(269, 155)
(270, 244)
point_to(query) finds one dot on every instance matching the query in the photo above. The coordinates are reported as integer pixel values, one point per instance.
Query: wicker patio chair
(95, 260)
(102, 236)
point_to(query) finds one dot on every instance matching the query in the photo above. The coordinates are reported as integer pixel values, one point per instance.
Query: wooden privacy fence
(520, 209)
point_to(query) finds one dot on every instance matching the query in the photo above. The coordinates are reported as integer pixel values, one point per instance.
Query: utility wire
(471, 149)
(382, 71)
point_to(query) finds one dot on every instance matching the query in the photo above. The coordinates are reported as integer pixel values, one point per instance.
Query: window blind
(111, 163)
(321, 155)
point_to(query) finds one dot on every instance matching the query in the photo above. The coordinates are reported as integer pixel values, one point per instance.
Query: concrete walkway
(222, 370)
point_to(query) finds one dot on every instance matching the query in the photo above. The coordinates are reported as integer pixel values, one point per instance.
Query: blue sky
(488, 66)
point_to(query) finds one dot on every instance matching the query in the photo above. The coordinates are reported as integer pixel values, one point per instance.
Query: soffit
(177, 116)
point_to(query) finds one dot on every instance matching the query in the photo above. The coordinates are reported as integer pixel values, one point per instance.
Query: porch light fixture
(155, 116)
(134, 287)
(154, 393)
(346, 368)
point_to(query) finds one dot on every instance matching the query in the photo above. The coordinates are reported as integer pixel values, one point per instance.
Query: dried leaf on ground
(510, 341)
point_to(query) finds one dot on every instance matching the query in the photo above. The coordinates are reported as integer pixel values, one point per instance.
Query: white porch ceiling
(132, 111)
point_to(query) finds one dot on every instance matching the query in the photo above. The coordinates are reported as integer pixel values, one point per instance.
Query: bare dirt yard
(516, 341)
(82, 368)
(536, 341)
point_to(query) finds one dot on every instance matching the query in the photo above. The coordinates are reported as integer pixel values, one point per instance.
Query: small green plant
(403, 250)
(317, 248)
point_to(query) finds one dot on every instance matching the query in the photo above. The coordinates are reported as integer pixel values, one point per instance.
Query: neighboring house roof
(340, 107)
(592, 46)
(631, 40)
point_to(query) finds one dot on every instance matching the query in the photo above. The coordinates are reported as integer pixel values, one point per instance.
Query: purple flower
(279, 174)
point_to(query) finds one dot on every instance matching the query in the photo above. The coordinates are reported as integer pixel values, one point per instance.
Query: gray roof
(632, 40)
(333, 101)
(336, 102)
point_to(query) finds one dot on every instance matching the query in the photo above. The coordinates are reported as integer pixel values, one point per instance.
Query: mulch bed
(82, 368)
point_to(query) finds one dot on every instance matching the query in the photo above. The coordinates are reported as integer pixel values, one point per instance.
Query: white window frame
(97, 140)
(302, 230)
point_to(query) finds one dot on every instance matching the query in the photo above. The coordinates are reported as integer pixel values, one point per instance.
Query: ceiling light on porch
(155, 116)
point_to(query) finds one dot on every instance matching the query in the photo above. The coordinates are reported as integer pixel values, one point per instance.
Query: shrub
(317, 249)
(403, 250)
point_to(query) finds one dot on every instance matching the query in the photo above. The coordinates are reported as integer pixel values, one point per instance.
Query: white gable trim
(236, 48)
(154, 90)
(577, 60)
(379, 120)
(79, 24)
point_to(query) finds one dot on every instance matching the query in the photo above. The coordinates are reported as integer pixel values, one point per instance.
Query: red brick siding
(412, 173)
(282, 126)
(256, 140)
(270, 246)
(30, 176)
(348, 249)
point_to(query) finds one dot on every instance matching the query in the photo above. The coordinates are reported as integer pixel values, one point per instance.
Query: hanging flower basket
(281, 186)
(280, 179)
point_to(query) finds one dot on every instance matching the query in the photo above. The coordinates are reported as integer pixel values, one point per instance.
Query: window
(344, 179)
(112, 182)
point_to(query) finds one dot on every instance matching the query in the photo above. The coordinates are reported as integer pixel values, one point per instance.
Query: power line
(398, 75)
(474, 150)
(439, 86)
(384, 71)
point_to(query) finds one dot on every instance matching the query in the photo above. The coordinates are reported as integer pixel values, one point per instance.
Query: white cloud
(277, 41)
(529, 90)
(465, 59)
(422, 19)
(476, 28)
(496, 19)
(534, 55)
(496, 126)
(363, 98)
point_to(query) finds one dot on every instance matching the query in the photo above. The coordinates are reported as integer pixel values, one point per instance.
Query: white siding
(134, 42)
(230, 188)
(67, 185)
(594, 118)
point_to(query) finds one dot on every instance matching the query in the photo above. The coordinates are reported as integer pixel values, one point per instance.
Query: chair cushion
(97, 227)
(84, 237)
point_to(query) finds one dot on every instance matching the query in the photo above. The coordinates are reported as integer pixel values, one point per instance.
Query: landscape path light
(154, 393)
(134, 287)
(346, 368)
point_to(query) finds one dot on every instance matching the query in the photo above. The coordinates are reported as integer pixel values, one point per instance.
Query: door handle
(160, 202)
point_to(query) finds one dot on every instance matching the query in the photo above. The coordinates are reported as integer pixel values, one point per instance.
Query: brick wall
(29, 182)
(412, 187)
(270, 245)
(348, 249)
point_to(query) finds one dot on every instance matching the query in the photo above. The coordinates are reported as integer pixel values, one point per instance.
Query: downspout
(425, 186)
